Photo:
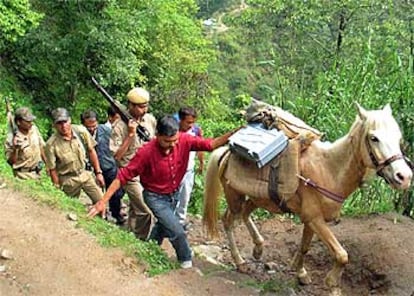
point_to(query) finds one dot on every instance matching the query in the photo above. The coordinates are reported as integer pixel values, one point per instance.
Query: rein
(324, 191)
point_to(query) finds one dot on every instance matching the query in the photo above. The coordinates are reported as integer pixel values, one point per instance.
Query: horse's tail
(212, 190)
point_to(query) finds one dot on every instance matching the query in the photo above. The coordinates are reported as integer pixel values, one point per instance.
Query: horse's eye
(374, 139)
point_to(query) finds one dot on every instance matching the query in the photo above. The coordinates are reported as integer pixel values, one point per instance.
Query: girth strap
(273, 188)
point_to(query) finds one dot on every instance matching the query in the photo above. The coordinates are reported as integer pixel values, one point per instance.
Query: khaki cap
(24, 113)
(138, 95)
(60, 114)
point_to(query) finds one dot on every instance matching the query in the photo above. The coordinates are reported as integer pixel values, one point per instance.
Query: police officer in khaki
(66, 157)
(25, 152)
(124, 143)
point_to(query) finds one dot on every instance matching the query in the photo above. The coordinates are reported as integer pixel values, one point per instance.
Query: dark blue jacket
(106, 160)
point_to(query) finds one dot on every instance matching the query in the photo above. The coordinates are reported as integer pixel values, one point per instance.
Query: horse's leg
(254, 232)
(234, 207)
(333, 277)
(228, 224)
(298, 259)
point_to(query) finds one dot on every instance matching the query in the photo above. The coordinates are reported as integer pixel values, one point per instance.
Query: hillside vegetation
(312, 58)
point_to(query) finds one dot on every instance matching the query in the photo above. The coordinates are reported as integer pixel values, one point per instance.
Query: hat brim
(61, 118)
(29, 118)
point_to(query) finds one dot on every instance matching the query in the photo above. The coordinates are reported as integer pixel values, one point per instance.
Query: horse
(328, 172)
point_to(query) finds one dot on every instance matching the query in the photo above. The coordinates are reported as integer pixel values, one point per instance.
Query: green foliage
(155, 44)
(315, 60)
(210, 7)
(16, 19)
(277, 286)
(310, 58)
(376, 198)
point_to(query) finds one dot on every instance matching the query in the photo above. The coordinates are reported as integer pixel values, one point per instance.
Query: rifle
(11, 126)
(142, 132)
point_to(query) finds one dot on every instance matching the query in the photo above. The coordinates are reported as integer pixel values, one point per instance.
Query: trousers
(168, 226)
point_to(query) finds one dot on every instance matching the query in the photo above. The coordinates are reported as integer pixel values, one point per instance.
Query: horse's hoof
(243, 268)
(335, 292)
(306, 280)
(257, 252)
(303, 277)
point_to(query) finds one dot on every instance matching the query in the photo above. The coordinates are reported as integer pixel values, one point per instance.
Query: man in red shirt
(161, 165)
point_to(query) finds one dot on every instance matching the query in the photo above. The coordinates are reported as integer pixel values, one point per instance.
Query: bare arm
(200, 156)
(55, 178)
(97, 168)
(223, 139)
(99, 207)
(13, 151)
(42, 154)
(132, 130)
(12, 156)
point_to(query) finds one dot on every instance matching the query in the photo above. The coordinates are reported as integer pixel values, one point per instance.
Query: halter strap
(379, 166)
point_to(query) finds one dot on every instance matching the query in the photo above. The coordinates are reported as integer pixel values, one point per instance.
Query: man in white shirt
(187, 119)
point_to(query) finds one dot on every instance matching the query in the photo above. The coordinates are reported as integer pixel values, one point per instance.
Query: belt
(164, 194)
(73, 174)
(26, 170)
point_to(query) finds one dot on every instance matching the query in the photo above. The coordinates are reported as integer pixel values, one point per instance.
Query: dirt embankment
(51, 256)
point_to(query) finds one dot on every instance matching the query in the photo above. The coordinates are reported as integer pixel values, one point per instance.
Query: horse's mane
(375, 119)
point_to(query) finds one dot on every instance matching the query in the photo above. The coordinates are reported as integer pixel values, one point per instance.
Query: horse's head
(382, 138)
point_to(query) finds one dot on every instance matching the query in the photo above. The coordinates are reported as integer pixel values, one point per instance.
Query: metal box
(258, 144)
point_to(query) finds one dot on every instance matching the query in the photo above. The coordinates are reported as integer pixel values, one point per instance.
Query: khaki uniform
(140, 219)
(28, 153)
(68, 158)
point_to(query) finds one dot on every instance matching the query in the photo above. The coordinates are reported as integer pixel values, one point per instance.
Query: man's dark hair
(111, 111)
(167, 126)
(88, 114)
(186, 111)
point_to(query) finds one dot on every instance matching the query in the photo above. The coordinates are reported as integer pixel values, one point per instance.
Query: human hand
(100, 180)
(99, 207)
(132, 126)
(200, 169)
(17, 142)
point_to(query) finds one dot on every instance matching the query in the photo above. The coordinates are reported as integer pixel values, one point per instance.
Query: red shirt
(162, 173)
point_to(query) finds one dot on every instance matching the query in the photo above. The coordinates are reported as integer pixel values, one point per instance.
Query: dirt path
(380, 249)
(53, 257)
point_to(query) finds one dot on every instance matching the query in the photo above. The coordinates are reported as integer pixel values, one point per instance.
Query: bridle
(379, 166)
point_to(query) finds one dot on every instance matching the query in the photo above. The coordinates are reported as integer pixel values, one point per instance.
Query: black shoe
(187, 226)
(121, 221)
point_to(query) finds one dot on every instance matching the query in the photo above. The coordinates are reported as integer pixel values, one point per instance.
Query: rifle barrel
(141, 131)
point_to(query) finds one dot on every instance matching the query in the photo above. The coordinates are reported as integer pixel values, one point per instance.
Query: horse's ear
(387, 108)
(361, 111)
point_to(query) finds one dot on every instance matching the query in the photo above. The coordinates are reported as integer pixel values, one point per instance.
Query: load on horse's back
(327, 174)
(275, 117)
